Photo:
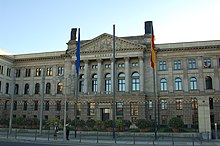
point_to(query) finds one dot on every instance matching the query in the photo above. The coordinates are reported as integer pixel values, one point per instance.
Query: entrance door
(105, 114)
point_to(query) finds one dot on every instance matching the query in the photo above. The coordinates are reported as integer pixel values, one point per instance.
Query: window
(16, 88)
(194, 103)
(135, 81)
(15, 105)
(78, 109)
(48, 87)
(150, 104)
(192, 63)
(134, 108)
(207, 63)
(0, 86)
(179, 104)
(121, 82)
(35, 105)
(163, 104)
(7, 88)
(211, 103)
(47, 106)
(60, 71)
(162, 65)
(119, 108)
(108, 85)
(121, 65)
(58, 105)
(26, 89)
(94, 66)
(6, 104)
(1, 69)
(134, 64)
(163, 85)
(81, 83)
(82, 67)
(177, 64)
(178, 84)
(37, 88)
(59, 88)
(208, 81)
(94, 83)
(8, 72)
(18, 73)
(164, 119)
(38, 72)
(49, 71)
(107, 66)
(28, 72)
(91, 108)
(25, 106)
(193, 83)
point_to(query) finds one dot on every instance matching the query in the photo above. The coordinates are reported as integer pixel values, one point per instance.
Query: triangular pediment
(104, 42)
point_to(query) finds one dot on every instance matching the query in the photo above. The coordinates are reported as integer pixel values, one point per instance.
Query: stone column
(185, 75)
(54, 81)
(127, 74)
(21, 85)
(170, 85)
(86, 78)
(204, 116)
(216, 73)
(100, 75)
(67, 76)
(73, 75)
(141, 66)
(31, 85)
(200, 79)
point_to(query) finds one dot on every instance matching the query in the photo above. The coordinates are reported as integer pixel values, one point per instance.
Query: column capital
(99, 60)
(86, 61)
(140, 57)
(126, 58)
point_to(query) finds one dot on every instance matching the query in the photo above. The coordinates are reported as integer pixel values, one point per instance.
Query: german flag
(153, 54)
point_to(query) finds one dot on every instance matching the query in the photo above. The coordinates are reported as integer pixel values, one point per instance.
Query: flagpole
(113, 84)
(77, 78)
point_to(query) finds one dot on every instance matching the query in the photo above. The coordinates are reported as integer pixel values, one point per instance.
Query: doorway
(105, 114)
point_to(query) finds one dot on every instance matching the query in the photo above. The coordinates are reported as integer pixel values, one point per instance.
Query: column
(200, 79)
(73, 73)
(127, 75)
(185, 75)
(216, 73)
(86, 78)
(54, 81)
(31, 85)
(67, 76)
(99, 75)
(141, 65)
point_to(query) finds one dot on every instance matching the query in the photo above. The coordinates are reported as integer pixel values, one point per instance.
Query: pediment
(104, 43)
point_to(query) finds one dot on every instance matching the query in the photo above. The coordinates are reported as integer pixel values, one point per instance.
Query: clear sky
(34, 26)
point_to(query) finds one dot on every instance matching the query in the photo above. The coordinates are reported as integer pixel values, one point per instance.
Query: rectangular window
(47, 106)
(15, 105)
(207, 63)
(58, 105)
(91, 108)
(1, 69)
(164, 119)
(28, 72)
(78, 109)
(150, 104)
(38, 72)
(179, 104)
(35, 105)
(18, 73)
(60, 71)
(194, 103)
(192, 63)
(177, 64)
(134, 108)
(49, 71)
(8, 72)
(163, 104)
(162, 65)
(25, 106)
(119, 109)
(6, 105)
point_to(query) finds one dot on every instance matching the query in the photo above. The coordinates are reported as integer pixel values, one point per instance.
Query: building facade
(187, 81)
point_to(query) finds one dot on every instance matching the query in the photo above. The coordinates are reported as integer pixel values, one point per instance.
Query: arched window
(26, 89)
(121, 81)
(193, 83)
(163, 84)
(135, 81)
(178, 83)
(37, 88)
(48, 87)
(81, 83)
(59, 88)
(108, 83)
(208, 81)
(94, 83)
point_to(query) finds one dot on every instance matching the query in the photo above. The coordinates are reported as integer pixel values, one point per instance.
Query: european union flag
(78, 54)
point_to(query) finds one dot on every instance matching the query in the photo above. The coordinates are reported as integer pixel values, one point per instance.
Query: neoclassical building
(187, 81)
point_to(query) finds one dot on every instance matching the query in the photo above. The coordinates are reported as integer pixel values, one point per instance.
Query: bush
(108, 124)
(176, 122)
(143, 123)
(90, 123)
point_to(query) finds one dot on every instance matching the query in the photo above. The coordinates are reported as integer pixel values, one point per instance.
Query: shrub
(176, 122)
(143, 123)
(90, 123)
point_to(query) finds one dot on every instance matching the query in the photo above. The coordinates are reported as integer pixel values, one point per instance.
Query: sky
(35, 26)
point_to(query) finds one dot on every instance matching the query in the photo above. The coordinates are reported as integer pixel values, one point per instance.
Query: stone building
(187, 81)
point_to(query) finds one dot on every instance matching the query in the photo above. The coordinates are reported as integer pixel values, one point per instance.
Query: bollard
(172, 140)
(97, 137)
(15, 133)
(7, 133)
(80, 137)
(134, 138)
(193, 138)
(35, 134)
(48, 135)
